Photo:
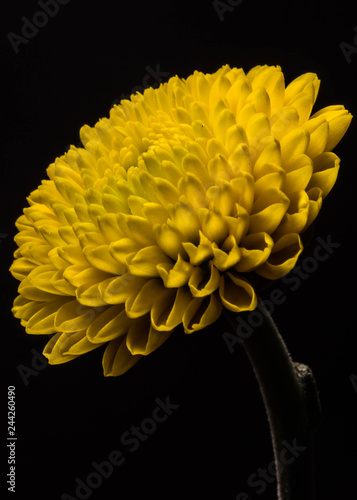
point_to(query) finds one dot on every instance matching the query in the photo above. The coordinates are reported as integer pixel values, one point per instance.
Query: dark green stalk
(291, 403)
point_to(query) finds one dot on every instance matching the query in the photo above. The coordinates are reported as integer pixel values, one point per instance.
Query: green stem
(292, 406)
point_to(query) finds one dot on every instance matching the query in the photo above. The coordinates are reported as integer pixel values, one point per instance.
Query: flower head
(170, 209)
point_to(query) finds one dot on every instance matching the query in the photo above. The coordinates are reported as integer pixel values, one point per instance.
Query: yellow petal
(73, 317)
(272, 177)
(116, 290)
(140, 229)
(33, 293)
(222, 198)
(247, 112)
(25, 308)
(168, 312)
(219, 168)
(142, 302)
(219, 89)
(117, 358)
(101, 258)
(55, 259)
(283, 257)
(109, 325)
(145, 262)
(201, 312)
(225, 120)
(123, 249)
(216, 106)
(136, 205)
(338, 125)
(259, 134)
(78, 345)
(109, 227)
(238, 227)
(227, 256)
(272, 79)
(53, 352)
(243, 190)
(237, 294)
(191, 164)
(339, 120)
(202, 149)
(171, 171)
(68, 189)
(89, 295)
(194, 191)
(115, 204)
(255, 249)
(328, 109)
(299, 176)
(143, 339)
(303, 104)
(50, 234)
(155, 213)
(201, 252)
(180, 115)
(159, 190)
(294, 221)
(88, 237)
(72, 254)
(293, 144)
(201, 87)
(326, 167)
(78, 275)
(65, 347)
(308, 83)
(185, 220)
(41, 214)
(175, 274)
(235, 136)
(315, 202)
(270, 208)
(27, 238)
(261, 100)
(237, 95)
(204, 282)
(271, 154)
(43, 321)
(284, 121)
(240, 160)
(67, 234)
(213, 225)
(199, 112)
(41, 277)
(318, 129)
(169, 240)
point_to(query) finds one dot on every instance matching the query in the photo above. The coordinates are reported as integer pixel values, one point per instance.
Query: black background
(68, 416)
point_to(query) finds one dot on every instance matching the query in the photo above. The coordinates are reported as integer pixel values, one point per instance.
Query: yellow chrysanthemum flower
(173, 205)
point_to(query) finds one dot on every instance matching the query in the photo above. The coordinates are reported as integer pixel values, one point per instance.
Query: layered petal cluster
(172, 207)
